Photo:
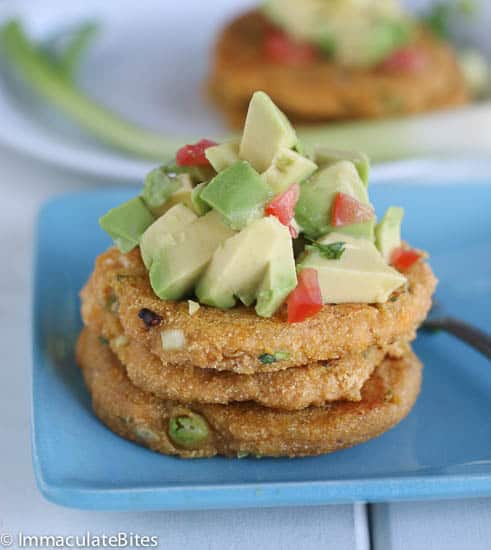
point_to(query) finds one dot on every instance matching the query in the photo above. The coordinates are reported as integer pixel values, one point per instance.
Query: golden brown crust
(323, 90)
(291, 389)
(234, 339)
(387, 397)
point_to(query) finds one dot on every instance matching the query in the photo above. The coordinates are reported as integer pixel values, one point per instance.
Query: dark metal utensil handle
(473, 336)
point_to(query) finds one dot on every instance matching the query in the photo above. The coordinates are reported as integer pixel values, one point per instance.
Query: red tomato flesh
(283, 207)
(403, 258)
(346, 210)
(278, 47)
(306, 300)
(194, 155)
(404, 60)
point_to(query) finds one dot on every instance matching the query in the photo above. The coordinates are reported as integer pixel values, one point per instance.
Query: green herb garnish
(269, 358)
(332, 251)
(103, 341)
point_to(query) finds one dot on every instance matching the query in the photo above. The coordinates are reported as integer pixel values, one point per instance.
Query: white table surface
(25, 184)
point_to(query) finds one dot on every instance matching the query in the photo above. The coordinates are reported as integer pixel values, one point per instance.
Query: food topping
(403, 258)
(283, 207)
(332, 251)
(194, 155)
(406, 60)
(306, 300)
(347, 210)
(280, 48)
(350, 32)
(257, 221)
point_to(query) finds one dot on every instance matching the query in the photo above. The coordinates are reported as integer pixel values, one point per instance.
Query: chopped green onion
(36, 70)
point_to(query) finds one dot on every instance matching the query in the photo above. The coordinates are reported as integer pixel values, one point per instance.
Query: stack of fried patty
(197, 382)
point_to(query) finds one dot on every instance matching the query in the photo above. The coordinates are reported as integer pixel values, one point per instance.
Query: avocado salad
(351, 32)
(261, 222)
(355, 33)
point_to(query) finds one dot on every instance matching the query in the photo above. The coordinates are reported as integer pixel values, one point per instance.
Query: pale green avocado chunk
(313, 210)
(388, 232)
(360, 275)
(183, 194)
(288, 167)
(238, 193)
(266, 131)
(160, 233)
(158, 187)
(240, 266)
(324, 157)
(126, 223)
(198, 204)
(279, 281)
(179, 265)
(224, 155)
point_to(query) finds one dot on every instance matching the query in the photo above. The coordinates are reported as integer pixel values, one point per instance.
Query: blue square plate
(443, 449)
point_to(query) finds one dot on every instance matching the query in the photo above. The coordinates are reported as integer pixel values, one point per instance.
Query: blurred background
(149, 64)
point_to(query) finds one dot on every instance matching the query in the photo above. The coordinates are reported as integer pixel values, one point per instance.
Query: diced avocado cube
(324, 157)
(183, 194)
(280, 279)
(313, 210)
(266, 131)
(288, 167)
(199, 205)
(126, 223)
(224, 155)
(158, 187)
(238, 193)
(160, 233)
(178, 266)
(360, 275)
(388, 232)
(239, 265)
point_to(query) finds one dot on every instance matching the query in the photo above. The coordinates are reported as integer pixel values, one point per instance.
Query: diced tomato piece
(283, 207)
(346, 210)
(403, 258)
(194, 155)
(405, 60)
(280, 48)
(306, 300)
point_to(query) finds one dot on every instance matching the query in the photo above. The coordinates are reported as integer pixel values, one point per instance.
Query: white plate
(149, 63)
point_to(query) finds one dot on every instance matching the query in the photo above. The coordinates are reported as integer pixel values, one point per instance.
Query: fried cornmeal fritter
(291, 389)
(200, 430)
(323, 90)
(237, 339)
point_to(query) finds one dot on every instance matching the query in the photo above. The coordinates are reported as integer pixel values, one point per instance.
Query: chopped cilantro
(269, 358)
(332, 251)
